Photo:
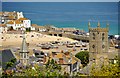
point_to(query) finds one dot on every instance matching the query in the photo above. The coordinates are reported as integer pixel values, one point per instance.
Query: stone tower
(98, 44)
(24, 57)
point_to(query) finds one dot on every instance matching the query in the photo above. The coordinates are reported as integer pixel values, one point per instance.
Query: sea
(69, 14)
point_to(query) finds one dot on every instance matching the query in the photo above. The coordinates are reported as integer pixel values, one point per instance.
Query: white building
(3, 28)
(26, 22)
(32, 28)
(17, 24)
(9, 16)
(38, 28)
(20, 15)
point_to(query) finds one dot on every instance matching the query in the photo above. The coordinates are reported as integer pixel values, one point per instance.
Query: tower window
(93, 46)
(103, 46)
(25, 55)
(102, 38)
(103, 34)
(93, 34)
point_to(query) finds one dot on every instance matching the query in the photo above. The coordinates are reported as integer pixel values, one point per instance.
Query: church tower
(98, 44)
(24, 57)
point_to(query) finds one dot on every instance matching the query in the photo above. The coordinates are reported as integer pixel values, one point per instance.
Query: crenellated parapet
(98, 29)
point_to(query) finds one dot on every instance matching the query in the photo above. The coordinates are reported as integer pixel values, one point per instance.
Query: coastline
(77, 16)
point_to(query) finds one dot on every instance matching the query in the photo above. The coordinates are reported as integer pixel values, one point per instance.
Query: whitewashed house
(32, 28)
(3, 28)
(17, 24)
(26, 22)
(39, 28)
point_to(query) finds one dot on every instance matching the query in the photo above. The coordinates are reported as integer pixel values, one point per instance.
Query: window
(21, 55)
(103, 34)
(98, 32)
(103, 46)
(102, 38)
(25, 55)
(93, 46)
(93, 34)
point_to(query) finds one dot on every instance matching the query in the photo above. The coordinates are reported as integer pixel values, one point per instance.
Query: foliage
(13, 60)
(28, 29)
(49, 70)
(106, 70)
(84, 57)
(10, 63)
(51, 64)
(11, 28)
(8, 73)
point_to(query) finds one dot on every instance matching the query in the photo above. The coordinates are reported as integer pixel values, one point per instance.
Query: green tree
(51, 64)
(13, 60)
(8, 65)
(84, 57)
(51, 69)
(28, 29)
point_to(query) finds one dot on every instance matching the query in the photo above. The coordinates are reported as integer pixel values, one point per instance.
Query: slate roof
(86, 69)
(6, 57)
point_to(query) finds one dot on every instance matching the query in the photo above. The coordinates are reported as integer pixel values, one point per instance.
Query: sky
(60, 0)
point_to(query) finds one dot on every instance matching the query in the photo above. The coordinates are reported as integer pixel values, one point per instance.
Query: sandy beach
(33, 38)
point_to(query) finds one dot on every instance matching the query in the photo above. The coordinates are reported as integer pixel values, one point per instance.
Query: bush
(28, 29)
(84, 57)
(106, 70)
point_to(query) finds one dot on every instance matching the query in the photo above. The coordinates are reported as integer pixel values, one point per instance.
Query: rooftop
(2, 25)
(6, 56)
(36, 26)
(10, 22)
(18, 22)
(21, 19)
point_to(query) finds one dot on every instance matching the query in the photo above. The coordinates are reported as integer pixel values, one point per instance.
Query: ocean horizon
(68, 14)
